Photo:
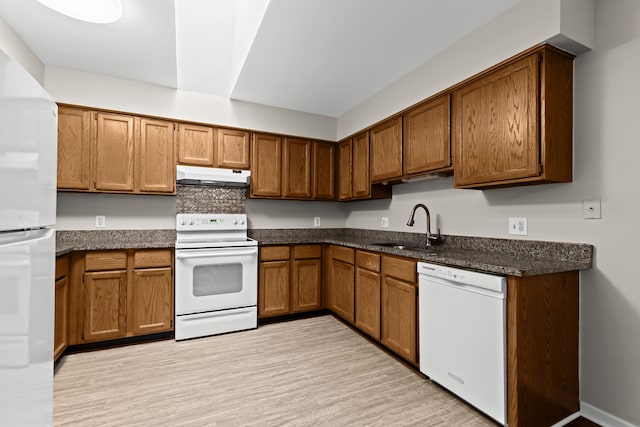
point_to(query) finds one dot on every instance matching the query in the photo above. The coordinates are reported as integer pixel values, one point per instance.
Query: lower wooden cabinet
(290, 280)
(367, 289)
(343, 283)
(120, 294)
(399, 306)
(61, 307)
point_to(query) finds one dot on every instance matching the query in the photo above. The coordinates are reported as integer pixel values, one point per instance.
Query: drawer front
(342, 254)
(274, 253)
(152, 258)
(400, 268)
(62, 266)
(368, 261)
(111, 260)
(307, 251)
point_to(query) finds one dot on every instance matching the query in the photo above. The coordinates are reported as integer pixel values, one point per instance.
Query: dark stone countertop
(500, 256)
(89, 240)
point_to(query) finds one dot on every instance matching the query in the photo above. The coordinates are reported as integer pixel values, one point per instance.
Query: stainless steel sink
(399, 246)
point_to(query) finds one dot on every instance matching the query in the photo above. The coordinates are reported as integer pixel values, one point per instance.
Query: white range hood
(212, 176)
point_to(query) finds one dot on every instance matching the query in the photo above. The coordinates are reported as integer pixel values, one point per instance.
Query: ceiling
(318, 56)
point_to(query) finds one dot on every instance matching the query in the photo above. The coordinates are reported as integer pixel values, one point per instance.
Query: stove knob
(191, 222)
(183, 221)
(235, 222)
(242, 222)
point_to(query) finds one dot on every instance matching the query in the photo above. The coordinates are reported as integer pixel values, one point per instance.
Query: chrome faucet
(430, 237)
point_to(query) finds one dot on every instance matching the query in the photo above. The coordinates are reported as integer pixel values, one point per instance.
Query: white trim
(601, 417)
(567, 420)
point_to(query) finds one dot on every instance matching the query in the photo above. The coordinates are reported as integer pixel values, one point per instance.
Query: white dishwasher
(462, 334)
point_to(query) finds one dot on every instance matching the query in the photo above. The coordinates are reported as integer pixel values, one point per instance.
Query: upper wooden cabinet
(353, 171)
(386, 150)
(266, 165)
(345, 169)
(513, 124)
(231, 149)
(74, 148)
(155, 166)
(361, 185)
(426, 137)
(195, 145)
(118, 153)
(297, 168)
(324, 184)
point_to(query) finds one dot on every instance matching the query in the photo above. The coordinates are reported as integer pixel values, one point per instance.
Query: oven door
(216, 279)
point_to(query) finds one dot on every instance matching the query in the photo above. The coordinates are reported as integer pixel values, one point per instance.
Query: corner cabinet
(513, 124)
(386, 150)
(354, 181)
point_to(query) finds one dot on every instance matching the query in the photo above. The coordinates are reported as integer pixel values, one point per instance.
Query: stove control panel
(193, 222)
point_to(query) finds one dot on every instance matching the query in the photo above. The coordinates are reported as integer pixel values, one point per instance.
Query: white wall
(20, 52)
(295, 214)
(606, 149)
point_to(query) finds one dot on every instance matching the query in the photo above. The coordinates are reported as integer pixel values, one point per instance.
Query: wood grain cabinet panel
(155, 160)
(399, 317)
(74, 148)
(426, 137)
(386, 150)
(361, 184)
(231, 149)
(61, 317)
(343, 289)
(105, 305)
(273, 292)
(114, 152)
(367, 289)
(513, 125)
(306, 290)
(324, 187)
(266, 165)
(152, 309)
(297, 168)
(345, 170)
(195, 145)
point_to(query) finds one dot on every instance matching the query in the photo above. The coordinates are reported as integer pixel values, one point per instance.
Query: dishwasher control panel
(467, 277)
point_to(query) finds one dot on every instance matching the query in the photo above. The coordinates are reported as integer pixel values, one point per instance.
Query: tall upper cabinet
(512, 125)
(386, 150)
(110, 152)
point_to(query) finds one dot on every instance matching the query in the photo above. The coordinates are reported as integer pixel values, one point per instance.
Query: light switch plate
(518, 226)
(316, 221)
(101, 221)
(591, 209)
(385, 221)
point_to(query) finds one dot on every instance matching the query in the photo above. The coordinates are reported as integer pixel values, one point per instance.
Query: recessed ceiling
(318, 56)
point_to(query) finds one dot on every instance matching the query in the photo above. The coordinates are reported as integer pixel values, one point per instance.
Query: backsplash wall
(210, 199)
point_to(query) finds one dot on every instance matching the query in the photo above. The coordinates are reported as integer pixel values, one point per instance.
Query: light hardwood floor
(306, 372)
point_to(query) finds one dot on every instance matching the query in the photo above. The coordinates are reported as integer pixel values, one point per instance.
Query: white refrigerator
(28, 160)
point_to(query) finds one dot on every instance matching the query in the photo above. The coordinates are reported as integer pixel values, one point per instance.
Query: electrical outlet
(385, 221)
(316, 221)
(518, 226)
(101, 221)
(591, 209)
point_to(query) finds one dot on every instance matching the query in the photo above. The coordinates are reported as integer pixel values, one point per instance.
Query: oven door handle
(208, 254)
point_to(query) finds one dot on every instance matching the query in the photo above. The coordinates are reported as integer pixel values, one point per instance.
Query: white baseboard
(567, 420)
(601, 417)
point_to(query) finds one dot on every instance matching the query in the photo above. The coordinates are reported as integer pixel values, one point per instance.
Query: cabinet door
(114, 152)
(386, 150)
(368, 302)
(266, 165)
(297, 168)
(231, 149)
(61, 317)
(344, 170)
(361, 182)
(496, 125)
(273, 288)
(152, 309)
(399, 300)
(324, 171)
(105, 305)
(155, 162)
(195, 145)
(306, 284)
(426, 137)
(343, 289)
(74, 148)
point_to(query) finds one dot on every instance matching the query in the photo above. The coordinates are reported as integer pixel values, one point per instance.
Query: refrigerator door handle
(25, 237)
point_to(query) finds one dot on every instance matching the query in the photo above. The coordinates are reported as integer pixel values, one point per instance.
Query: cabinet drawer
(112, 260)
(400, 268)
(368, 261)
(306, 251)
(152, 258)
(342, 254)
(274, 253)
(62, 266)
